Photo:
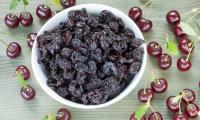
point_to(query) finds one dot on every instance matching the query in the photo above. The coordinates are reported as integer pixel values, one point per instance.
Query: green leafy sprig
(14, 3)
(23, 83)
(51, 116)
(171, 47)
(140, 111)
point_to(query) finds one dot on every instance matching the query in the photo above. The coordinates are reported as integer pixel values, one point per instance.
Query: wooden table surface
(13, 107)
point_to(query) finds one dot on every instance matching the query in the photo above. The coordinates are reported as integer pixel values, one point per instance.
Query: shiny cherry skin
(173, 17)
(171, 105)
(178, 116)
(185, 45)
(13, 50)
(24, 71)
(154, 49)
(189, 95)
(63, 114)
(26, 19)
(28, 93)
(43, 12)
(30, 39)
(178, 32)
(67, 3)
(144, 25)
(133, 117)
(144, 95)
(159, 85)
(183, 64)
(135, 13)
(192, 110)
(155, 116)
(11, 21)
(164, 61)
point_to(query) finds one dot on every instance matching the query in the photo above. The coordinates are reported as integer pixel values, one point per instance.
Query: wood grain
(13, 107)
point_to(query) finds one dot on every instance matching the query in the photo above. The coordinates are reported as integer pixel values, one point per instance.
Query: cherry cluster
(183, 106)
(158, 85)
(155, 50)
(184, 44)
(145, 25)
(23, 74)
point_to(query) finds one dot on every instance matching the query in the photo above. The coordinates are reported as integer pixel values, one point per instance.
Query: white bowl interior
(39, 71)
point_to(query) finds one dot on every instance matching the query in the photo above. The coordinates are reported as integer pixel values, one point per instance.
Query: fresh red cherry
(173, 17)
(26, 19)
(192, 110)
(24, 71)
(145, 95)
(178, 32)
(11, 20)
(30, 39)
(164, 61)
(159, 85)
(154, 49)
(185, 45)
(27, 93)
(155, 116)
(63, 114)
(144, 24)
(179, 116)
(183, 64)
(172, 105)
(67, 3)
(13, 50)
(135, 13)
(43, 12)
(133, 117)
(188, 95)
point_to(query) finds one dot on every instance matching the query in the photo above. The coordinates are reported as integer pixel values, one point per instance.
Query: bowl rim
(39, 73)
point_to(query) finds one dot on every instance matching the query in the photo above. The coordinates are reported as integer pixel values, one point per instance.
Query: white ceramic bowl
(39, 71)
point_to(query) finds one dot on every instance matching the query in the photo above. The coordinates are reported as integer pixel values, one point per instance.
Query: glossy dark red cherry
(159, 85)
(30, 39)
(144, 24)
(24, 71)
(43, 12)
(11, 20)
(145, 95)
(26, 19)
(13, 50)
(178, 116)
(67, 3)
(154, 49)
(164, 61)
(133, 117)
(192, 110)
(172, 105)
(155, 116)
(173, 17)
(185, 45)
(28, 93)
(135, 13)
(183, 64)
(188, 95)
(178, 32)
(63, 114)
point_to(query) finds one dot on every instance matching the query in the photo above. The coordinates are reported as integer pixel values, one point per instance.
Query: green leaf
(46, 117)
(172, 48)
(141, 111)
(25, 2)
(13, 4)
(21, 80)
(56, 2)
(50, 117)
(188, 29)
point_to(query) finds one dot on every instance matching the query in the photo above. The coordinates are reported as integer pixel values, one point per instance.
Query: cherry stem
(150, 8)
(193, 16)
(179, 105)
(194, 10)
(167, 38)
(193, 43)
(45, 3)
(3, 42)
(146, 4)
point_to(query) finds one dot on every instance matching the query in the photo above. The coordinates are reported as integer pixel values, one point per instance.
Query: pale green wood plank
(13, 107)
